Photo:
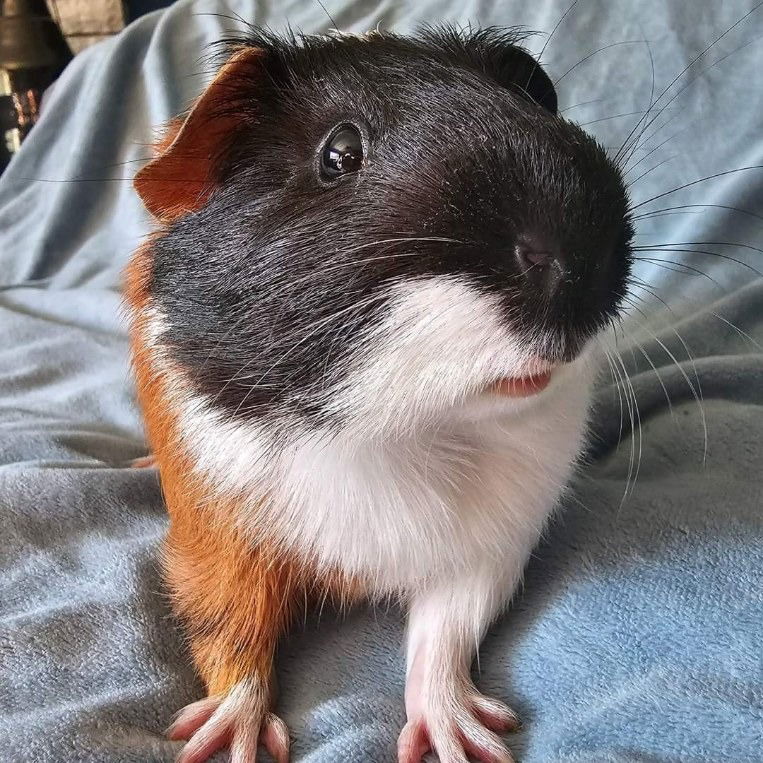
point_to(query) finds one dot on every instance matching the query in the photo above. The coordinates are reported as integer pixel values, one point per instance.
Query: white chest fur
(460, 478)
(464, 493)
(475, 489)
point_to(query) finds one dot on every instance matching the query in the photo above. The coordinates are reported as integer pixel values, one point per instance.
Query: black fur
(270, 285)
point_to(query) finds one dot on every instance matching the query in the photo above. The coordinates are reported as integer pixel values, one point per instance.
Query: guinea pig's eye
(343, 152)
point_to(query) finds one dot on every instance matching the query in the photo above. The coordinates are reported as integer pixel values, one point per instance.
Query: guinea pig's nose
(539, 258)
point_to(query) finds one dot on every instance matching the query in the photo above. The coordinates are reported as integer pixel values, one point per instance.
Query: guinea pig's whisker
(643, 145)
(651, 169)
(686, 85)
(741, 332)
(629, 393)
(696, 389)
(238, 377)
(708, 253)
(243, 317)
(708, 243)
(650, 151)
(336, 334)
(366, 260)
(622, 374)
(656, 212)
(613, 116)
(329, 16)
(404, 239)
(615, 325)
(649, 360)
(616, 381)
(678, 267)
(648, 122)
(652, 67)
(659, 213)
(336, 264)
(225, 16)
(591, 55)
(539, 57)
(695, 182)
(635, 414)
(649, 289)
(583, 103)
(316, 328)
(638, 126)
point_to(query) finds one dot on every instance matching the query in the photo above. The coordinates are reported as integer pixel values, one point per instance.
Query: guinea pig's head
(381, 228)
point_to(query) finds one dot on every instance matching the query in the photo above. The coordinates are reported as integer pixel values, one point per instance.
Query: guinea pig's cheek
(441, 341)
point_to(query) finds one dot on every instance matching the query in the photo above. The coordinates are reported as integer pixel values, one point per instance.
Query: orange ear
(181, 178)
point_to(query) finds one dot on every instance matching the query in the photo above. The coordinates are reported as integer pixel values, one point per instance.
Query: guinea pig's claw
(144, 462)
(494, 714)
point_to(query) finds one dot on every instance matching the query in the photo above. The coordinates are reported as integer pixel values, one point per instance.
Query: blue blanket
(637, 636)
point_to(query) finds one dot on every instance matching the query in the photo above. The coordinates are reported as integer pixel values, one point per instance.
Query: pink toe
(412, 744)
(243, 748)
(495, 715)
(203, 746)
(191, 718)
(275, 738)
(211, 736)
(494, 753)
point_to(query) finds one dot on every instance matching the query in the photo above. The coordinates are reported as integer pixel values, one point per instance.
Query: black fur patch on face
(269, 287)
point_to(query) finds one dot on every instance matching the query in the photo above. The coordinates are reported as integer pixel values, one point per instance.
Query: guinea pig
(362, 337)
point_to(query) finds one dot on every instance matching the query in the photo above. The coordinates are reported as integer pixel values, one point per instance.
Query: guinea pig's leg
(445, 711)
(235, 599)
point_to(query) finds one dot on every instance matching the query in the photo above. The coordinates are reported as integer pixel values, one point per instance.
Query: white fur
(442, 344)
(430, 475)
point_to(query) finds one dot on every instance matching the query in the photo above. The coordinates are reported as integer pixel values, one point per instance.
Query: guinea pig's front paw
(456, 722)
(238, 719)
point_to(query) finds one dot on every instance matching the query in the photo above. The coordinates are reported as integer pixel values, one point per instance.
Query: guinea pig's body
(362, 345)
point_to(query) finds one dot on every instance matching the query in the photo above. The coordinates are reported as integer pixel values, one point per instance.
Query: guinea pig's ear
(182, 176)
(496, 51)
(518, 69)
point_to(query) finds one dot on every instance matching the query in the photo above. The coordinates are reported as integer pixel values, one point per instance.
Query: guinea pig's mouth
(520, 386)
(532, 382)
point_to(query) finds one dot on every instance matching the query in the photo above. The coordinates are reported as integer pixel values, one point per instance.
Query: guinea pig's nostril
(532, 258)
(540, 260)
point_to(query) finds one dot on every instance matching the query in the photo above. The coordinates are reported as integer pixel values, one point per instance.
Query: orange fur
(168, 135)
(182, 176)
(235, 599)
